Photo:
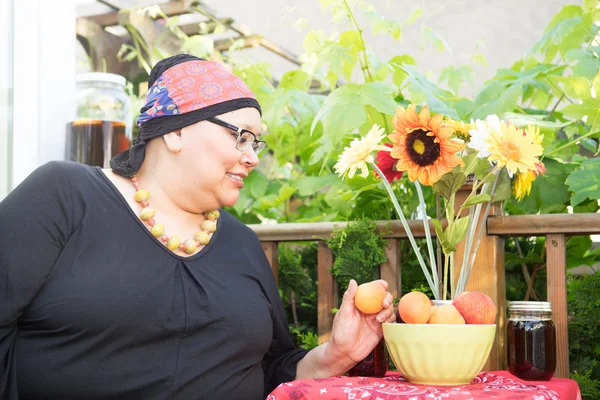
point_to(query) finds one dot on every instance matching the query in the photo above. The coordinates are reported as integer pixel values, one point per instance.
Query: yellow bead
(173, 243)
(202, 237)
(147, 213)
(141, 195)
(213, 215)
(209, 225)
(158, 230)
(190, 246)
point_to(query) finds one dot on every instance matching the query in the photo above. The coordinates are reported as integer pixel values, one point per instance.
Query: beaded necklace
(189, 246)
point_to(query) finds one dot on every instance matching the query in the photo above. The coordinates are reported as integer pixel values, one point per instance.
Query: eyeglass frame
(240, 132)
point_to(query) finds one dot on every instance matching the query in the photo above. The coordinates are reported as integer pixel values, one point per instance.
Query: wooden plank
(515, 225)
(172, 8)
(324, 292)
(272, 254)
(556, 270)
(321, 230)
(488, 276)
(390, 270)
(542, 225)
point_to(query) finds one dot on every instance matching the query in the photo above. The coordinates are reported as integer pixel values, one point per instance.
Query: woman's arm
(353, 336)
(36, 220)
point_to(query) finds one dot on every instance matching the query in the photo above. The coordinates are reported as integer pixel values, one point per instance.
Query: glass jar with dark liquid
(101, 126)
(531, 339)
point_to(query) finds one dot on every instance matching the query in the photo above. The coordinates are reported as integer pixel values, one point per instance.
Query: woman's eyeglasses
(245, 140)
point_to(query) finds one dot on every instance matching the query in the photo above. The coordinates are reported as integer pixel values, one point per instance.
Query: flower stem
(411, 239)
(427, 233)
(446, 264)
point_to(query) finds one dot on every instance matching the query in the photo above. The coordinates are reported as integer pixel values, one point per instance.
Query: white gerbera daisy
(359, 154)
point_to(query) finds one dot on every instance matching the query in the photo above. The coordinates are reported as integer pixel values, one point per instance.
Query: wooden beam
(390, 270)
(514, 225)
(324, 292)
(172, 8)
(271, 251)
(556, 270)
(541, 225)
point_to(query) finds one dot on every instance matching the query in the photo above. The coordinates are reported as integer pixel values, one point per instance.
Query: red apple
(475, 308)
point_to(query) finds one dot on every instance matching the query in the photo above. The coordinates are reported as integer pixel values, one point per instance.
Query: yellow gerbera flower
(359, 154)
(522, 184)
(461, 129)
(513, 148)
(533, 132)
(422, 145)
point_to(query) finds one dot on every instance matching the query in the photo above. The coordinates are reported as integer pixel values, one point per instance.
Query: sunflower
(522, 184)
(422, 145)
(359, 153)
(387, 165)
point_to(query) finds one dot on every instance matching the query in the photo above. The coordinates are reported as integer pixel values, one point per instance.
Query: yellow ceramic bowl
(439, 354)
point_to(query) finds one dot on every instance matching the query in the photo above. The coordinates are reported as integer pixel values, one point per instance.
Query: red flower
(387, 165)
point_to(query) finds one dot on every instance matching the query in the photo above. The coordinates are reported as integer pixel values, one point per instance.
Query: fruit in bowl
(446, 349)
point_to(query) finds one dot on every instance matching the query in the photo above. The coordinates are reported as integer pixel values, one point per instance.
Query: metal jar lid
(544, 306)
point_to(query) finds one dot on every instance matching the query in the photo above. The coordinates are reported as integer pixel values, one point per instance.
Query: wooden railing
(487, 276)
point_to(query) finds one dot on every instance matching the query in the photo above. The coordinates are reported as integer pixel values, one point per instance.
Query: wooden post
(487, 276)
(324, 292)
(390, 270)
(272, 254)
(556, 267)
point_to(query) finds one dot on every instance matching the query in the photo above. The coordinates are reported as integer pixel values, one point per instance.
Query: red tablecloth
(487, 385)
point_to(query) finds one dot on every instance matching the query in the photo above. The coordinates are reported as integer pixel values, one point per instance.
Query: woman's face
(214, 168)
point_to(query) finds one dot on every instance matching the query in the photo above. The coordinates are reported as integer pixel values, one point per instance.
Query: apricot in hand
(369, 297)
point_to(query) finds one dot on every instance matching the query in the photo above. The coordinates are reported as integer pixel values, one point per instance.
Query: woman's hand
(354, 333)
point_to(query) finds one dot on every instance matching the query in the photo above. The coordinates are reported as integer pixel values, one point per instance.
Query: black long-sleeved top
(92, 306)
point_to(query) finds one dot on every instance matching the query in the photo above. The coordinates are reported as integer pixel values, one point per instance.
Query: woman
(131, 283)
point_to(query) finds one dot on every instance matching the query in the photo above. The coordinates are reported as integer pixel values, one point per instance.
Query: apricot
(415, 308)
(446, 314)
(369, 297)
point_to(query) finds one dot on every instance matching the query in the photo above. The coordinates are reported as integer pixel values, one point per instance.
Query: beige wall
(5, 91)
(508, 28)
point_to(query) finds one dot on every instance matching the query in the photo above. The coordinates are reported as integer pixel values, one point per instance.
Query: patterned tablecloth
(487, 385)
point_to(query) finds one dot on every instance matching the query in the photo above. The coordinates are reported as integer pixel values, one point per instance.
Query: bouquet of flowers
(496, 157)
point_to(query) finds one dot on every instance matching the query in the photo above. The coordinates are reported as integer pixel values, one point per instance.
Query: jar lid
(530, 306)
(101, 77)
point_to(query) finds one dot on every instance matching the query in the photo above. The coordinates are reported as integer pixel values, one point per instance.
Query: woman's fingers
(387, 314)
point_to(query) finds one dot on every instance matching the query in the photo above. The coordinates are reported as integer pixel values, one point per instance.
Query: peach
(414, 308)
(446, 314)
(475, 307)
(369, 297)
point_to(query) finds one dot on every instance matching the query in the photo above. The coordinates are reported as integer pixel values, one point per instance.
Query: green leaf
(482, 168)
(344, 108)
(285, 192)
(442, 237)
(456, 232)
(455, 76)
(257, 182)
(314, 41)
(471, 162)
(296, 79)
(503, 187)
(496, 98)
(399, 74)
(310, 185)
(198, 45)
(423, 89)
(438, 42)
(414, 16)
(584, 182)
(450, 183)
(567, 30)
(477, 199)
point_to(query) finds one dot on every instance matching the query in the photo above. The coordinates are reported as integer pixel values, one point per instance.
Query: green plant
(584, 332)
(358, 250)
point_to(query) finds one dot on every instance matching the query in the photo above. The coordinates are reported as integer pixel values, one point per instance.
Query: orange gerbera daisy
(422, 145)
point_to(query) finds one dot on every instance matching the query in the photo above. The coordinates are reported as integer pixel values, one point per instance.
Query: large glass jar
(531, 339)
(101, 125)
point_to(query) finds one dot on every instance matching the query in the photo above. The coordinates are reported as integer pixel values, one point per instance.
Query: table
(487, 385)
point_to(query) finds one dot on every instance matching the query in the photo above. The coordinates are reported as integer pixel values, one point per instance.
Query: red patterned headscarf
(183, 90)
